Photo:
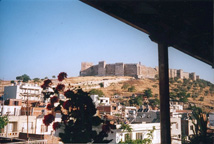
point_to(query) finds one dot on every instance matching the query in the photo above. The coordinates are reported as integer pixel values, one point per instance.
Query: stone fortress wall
(135, 70)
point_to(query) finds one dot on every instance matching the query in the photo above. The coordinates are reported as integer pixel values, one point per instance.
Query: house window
(101, 101)
(139, 136)
(15, 103)
(179, 136)
(128, 136)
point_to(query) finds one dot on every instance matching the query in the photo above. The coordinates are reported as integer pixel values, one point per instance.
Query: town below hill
(116, 104)
(126, 90)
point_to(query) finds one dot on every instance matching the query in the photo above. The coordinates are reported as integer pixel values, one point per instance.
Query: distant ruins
(134, 70)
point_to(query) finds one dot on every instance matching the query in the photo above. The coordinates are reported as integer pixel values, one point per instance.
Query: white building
(176, 135)
(129, 110)
(100, 100)
(211, 120)
(33, 92)
(139, 131)
(48, 130)
(19, 124)
(10, 110)
(175, 106)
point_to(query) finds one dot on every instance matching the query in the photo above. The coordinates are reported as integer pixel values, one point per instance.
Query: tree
(12, 81)
(53, 76)
(101, 85)
(154, 102)
(180, 96)
(147, 93)
(206, 92)
(136, 101)
(125, 127)
(96, 92)
(199, 120)
(147, 140)
(3, 121)
(78, 115)
(35, 80)
(183, 96)
(201, 99)
(131, 89)
(154, 86)
(19, 78)
(125, 86)
(46, 77)
(24, 78)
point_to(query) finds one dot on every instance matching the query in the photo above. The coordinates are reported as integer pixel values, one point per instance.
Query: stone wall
(110, 69)
(180, 73)
(91, 71)
(192, 76)
(135, 70)
(147, 72)
(119, 69)
(197, 77)
(130, 70)
(185, 75)
(86, 65)
(172, 73)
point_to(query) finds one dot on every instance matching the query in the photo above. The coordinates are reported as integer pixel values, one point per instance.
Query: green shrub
(131, 89)
(96, 92)
(125, 86)
(201, 99)
(154, 86)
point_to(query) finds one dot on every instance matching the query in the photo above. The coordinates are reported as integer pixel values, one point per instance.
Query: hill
(200, 92)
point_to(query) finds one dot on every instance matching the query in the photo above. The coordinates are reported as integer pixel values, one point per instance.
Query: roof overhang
(185, 25)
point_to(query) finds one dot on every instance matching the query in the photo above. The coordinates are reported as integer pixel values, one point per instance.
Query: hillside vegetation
(199, 92)
(183, 90)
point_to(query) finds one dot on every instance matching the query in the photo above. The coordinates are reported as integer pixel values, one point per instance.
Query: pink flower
(54, 99)
(65, 118)
(48, 119)
(47, 83)
(69, 93)
(62, 76)
(49, 106)
(56, 125)
(106, 128)
(67, 104)
(60, 87)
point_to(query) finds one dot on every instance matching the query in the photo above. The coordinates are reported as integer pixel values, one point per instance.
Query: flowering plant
(78, 114)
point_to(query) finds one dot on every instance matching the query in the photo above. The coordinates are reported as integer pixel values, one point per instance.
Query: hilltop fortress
(134, 70)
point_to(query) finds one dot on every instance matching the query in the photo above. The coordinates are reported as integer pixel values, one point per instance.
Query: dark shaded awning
(185, 25)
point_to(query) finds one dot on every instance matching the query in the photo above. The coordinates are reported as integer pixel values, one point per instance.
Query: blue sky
(44, 37)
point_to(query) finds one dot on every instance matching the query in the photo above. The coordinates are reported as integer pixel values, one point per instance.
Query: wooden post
(164, 93)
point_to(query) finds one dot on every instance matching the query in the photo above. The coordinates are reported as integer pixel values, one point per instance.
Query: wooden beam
(164, 93)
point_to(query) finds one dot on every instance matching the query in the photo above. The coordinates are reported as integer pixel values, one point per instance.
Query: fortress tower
(192, 76)
(86, 65)
(180, 73)
(101, 68)
(134, 70)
